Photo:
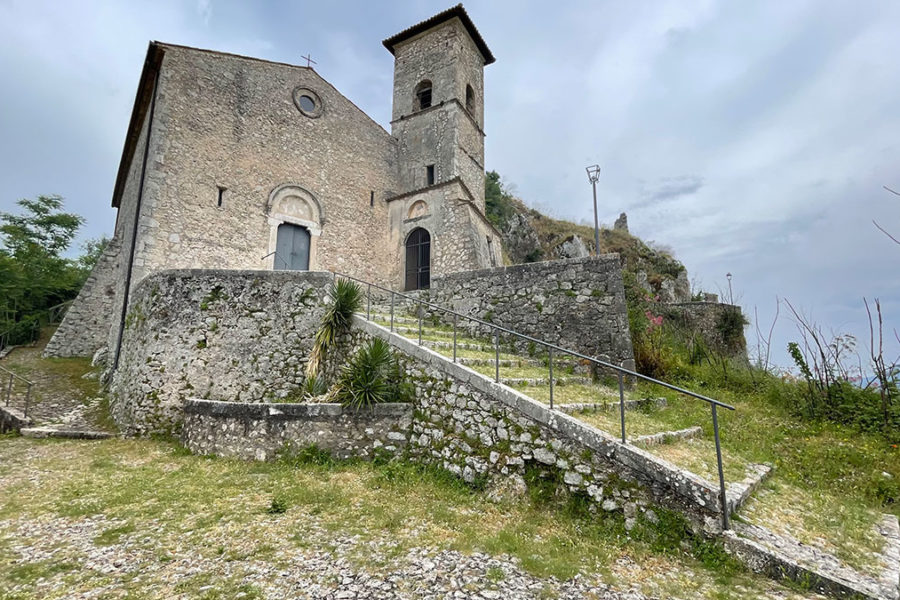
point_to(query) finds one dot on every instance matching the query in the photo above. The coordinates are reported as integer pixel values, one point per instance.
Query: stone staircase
(578, 394)
(50, 408)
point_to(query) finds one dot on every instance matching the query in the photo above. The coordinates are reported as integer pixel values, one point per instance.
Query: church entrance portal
(418, 260)
(292, 248)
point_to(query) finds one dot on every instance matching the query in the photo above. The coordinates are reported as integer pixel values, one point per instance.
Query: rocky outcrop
(572, 247)
(520, 240)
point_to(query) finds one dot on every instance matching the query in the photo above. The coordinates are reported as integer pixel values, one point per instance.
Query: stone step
(426, 331)
(462, 345)
(519, 362)
(781, 556)
(72, 434)
(739, 492)
(539, 381)
(641, 403)
(665, 437)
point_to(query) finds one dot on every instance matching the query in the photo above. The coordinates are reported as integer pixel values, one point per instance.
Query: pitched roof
(457, 11)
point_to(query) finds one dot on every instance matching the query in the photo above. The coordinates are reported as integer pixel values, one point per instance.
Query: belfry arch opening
(418, 260)
(422, 95)
(470, 99)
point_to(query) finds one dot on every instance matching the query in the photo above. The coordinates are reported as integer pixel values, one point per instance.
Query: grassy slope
(159, 505)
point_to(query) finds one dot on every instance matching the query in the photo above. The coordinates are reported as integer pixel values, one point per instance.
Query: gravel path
(93, 571)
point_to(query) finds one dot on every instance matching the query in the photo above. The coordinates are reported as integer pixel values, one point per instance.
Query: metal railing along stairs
(7, 385)
(621, 372)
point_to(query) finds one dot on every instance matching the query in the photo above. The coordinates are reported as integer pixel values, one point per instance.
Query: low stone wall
(241, 336)
(478, 429)
(260, 431)
(578, 304)
(12, 419)
(85, 328)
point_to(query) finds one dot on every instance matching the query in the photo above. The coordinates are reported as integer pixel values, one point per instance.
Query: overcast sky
(748, 137)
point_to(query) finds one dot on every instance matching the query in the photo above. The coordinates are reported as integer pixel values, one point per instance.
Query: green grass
(820, 464)
(821, 469)
(170, 507)
(817, 465)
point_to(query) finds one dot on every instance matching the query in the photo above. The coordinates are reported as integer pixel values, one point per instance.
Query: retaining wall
(578, 304)
(241, 336)
(260, 431)
(477, 429)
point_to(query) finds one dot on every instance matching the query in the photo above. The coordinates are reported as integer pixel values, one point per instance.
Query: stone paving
(53, 403)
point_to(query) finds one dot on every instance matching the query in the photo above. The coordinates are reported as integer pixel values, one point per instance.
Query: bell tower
(438, 107)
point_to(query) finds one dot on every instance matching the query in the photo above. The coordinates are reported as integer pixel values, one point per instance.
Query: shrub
(23, 332)
(346, 299)
(372, 376)
(313, 386)
(278, 506)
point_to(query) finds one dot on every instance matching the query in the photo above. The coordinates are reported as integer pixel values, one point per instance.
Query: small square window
(429, 175)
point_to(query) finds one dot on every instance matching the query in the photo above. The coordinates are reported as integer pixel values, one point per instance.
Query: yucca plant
(313, 387)
(366, 378)
(346, 299)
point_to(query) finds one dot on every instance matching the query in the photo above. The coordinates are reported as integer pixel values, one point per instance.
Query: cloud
(204, 9)
(669, 188)
(752, 138)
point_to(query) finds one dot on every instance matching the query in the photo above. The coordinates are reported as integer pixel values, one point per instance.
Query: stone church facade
(238, 163)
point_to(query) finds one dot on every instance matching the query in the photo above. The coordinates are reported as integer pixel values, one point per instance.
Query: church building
(233, 162)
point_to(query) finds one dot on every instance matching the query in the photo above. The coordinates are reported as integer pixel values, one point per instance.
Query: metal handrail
(9, 386)
(57, 311)
(620, 371)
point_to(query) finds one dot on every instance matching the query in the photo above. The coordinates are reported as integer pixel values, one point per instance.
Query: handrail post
(497, 356)
(420, 322)
(455, 319)
(369, 304)
(622, 404)
(550, 353)
(392, 311)
(9, 389)
(724, 499)
(27, 398)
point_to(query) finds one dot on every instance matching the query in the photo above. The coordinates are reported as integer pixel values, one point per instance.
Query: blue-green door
(292, 248)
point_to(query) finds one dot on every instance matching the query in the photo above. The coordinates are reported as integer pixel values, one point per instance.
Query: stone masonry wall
(458, 233)
(446, 135)
(225, 335)
(478, 429)
(578, 304)
(85, 328)
(260, 431)
(241, 337)
(232, 122)
(124, 231)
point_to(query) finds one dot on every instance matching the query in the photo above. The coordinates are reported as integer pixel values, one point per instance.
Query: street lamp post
(594, 175)
(730, 295)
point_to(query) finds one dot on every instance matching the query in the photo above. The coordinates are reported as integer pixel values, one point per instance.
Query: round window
(307, 102)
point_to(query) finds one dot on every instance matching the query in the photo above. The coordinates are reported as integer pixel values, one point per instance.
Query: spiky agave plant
(346, 299)
(313, 387)
(366, 378)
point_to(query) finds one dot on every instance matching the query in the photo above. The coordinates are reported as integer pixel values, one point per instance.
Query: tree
(33, 273)
(92, 248)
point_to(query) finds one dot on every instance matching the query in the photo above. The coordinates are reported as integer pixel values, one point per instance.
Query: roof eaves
(142, 98)
(456, 11)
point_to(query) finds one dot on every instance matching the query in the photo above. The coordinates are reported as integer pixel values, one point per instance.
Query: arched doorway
(418, 260)
(292, 248)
